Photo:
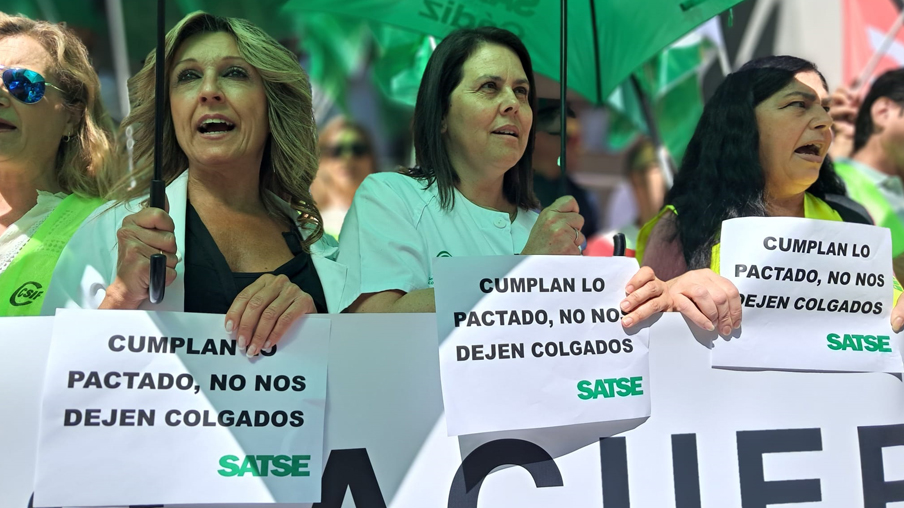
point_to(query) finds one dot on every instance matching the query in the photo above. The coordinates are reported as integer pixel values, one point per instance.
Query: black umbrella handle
(618, 244)
(563, 90)
(157, 281)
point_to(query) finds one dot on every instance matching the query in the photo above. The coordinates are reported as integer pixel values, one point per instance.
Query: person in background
(872, 174)
(56, 143)
(470, 194)
(643, 173)
(759, 150)
(242, 236)
(548, 174)
(346, 158)
(843, 106)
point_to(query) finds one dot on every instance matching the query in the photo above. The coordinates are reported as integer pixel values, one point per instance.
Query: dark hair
(548, 114)
(341, 123)
(442, 75)
(889, 85)
(721, 176)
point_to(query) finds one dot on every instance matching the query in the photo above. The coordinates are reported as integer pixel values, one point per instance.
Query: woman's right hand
(557, 230)
(142, 235)
(711, 301)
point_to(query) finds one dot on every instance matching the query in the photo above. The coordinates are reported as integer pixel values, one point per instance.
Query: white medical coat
(88, 263)
(395, 228)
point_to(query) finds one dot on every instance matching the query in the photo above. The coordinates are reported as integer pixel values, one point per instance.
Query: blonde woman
(242, 236)
(55, 141)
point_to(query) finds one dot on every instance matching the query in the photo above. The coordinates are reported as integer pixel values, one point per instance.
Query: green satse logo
(859, 342)
(611, 387)
(26, 293)
(265, 465)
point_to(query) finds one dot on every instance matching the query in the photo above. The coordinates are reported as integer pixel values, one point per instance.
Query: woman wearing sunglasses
(346, 158)
(55, 139)
(242, 236)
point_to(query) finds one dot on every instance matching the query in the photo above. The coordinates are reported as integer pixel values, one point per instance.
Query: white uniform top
(395, 228)
(88, 263)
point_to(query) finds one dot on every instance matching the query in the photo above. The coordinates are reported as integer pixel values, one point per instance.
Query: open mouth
(506, 132)
(214, 126)
(808, 150)
(6, 126)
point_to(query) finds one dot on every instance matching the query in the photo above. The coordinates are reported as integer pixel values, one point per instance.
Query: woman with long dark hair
(759, 150)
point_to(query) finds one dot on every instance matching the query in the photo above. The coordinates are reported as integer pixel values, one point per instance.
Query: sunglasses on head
(24, 85)
(356, 149)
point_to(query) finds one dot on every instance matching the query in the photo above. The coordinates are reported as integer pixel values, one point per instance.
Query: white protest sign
(537, 341)
(26, 341)
(718, 438)
(817, 295)
(152, 408)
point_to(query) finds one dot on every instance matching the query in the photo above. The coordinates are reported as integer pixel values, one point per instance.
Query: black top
(211, 287)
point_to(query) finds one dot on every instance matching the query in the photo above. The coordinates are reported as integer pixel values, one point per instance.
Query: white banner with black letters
(716, 438)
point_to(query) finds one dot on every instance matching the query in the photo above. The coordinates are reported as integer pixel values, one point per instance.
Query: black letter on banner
(756, 492)
(350, 470)
(502, 452)
(614, 471)
(877, 491)
(31, 501)
(32, 498)
(685, 471)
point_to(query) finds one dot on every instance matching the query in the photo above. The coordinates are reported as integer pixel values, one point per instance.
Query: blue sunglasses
(26, 86)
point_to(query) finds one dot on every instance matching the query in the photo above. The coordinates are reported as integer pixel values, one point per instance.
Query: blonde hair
(84, 164)
(290, 157)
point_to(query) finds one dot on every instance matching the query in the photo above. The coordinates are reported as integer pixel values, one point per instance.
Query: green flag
(338, 46)
(605, 44)
(400, 60)
(670, 81)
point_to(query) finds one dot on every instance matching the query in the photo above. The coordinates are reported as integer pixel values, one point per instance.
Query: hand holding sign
(557, 230)
(647, 295)
(264, 311)
(142, 235)
(897, 316)
(707, 299)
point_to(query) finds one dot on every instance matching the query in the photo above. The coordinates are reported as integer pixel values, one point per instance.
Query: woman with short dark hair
(471, 192)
